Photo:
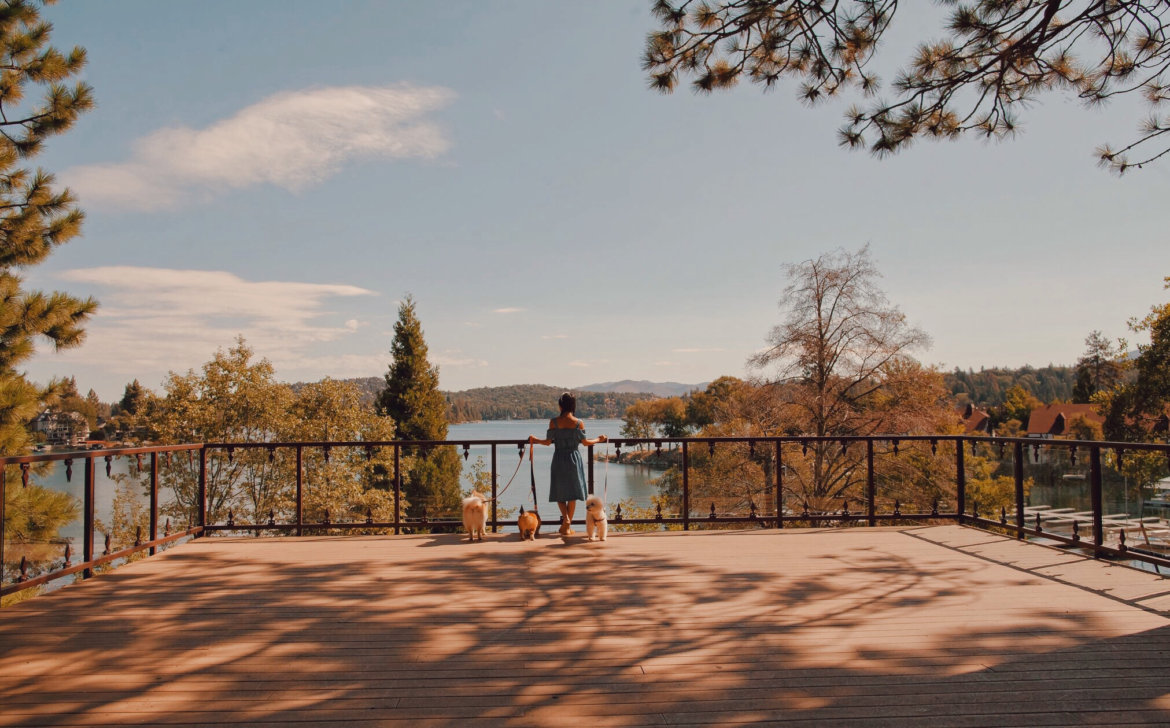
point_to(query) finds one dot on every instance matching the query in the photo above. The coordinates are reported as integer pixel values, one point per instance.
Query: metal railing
(862, 495)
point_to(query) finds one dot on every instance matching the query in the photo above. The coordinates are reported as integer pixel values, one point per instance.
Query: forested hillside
(988, 387)
(532, 401)
(514, 402)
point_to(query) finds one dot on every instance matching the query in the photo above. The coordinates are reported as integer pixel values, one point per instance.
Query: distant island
(641, 386)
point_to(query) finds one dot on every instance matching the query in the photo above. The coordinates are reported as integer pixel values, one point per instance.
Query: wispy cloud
(507, 310)
(159, 319)
(581, 364)
(554, 336)
(456, 358)
(292, 140)
(696, 350)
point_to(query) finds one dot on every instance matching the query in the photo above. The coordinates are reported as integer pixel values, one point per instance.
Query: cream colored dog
(475, 515)
(596, 524)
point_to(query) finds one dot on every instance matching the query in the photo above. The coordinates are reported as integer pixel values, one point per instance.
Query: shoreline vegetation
(650, 458)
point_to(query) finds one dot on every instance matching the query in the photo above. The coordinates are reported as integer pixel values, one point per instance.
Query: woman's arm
(591, 443)
(533, 439)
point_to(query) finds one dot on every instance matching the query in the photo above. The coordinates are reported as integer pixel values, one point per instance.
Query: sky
(290, 171)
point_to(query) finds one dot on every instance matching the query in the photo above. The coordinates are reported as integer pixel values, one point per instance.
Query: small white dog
(474, 515)
(596, 524)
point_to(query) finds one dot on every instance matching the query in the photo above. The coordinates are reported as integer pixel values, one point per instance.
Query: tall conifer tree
(412, 398)
(34, 219)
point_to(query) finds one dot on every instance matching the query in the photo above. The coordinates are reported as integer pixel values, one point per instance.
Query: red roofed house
(974, 420)
(1052, 420)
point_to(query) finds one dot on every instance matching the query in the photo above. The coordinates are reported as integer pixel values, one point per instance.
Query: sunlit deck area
(931, 625)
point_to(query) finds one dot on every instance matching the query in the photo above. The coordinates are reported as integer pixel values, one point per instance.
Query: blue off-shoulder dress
(567, 482)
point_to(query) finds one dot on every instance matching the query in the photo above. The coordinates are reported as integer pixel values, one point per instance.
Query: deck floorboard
(922, 626)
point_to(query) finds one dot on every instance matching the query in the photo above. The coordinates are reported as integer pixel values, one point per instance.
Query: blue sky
(290, 170)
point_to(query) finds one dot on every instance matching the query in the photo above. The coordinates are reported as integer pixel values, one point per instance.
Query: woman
(567, 482)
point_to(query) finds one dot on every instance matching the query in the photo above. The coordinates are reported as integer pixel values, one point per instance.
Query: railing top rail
(101, 453)
(359, 443)
(616, 441)
(1051, 442)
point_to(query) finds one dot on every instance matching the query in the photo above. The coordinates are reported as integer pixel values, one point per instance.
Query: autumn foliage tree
(839, 365)
(235, 397)
(994, 59)
(1138, 410)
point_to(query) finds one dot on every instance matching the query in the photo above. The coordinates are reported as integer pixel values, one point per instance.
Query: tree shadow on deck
(645, 629)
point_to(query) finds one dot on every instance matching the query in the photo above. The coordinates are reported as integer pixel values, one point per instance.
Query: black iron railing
(791, 472)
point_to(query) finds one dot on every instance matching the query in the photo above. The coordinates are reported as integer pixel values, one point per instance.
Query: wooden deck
(926, 626)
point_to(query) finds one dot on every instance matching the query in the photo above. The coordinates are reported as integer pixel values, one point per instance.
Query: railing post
(300, 490)
(870, 483)
(1018, 473)
(87, 518)
(3, 485)
(153, 500)
(779, 485)
(495, 485)
(1095, 496)
(686, 462)
(203, 489)
(397, 489)
(960, 479)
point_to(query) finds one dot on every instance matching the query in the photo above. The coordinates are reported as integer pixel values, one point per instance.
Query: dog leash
(515, 472)
(532, 477)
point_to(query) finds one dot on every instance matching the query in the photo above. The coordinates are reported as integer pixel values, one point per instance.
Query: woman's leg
(567, 508)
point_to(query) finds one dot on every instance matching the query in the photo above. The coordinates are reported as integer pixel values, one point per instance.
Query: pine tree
(34, 219)
(1099, 369)
(132, 398)
(412, 398)
(994, 60)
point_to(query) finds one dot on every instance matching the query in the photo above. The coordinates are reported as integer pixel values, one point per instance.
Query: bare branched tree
(996, 56)
(838, 354)
(839, 339)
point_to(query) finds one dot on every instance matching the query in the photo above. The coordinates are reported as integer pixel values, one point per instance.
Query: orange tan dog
(529, 523)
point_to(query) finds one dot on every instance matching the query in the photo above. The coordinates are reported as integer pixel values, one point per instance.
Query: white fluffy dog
(474, 515)
(596, 524)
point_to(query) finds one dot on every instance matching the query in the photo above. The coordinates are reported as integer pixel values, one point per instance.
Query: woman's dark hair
(568, 403)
